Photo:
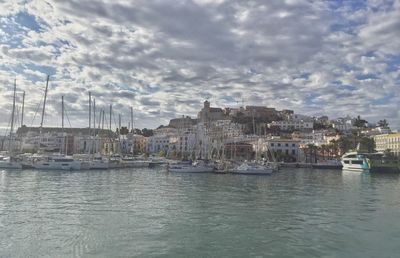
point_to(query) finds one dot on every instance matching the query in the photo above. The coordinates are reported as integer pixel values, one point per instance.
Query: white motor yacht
(355, 161)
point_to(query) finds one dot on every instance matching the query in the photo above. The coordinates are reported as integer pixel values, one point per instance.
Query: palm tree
(312, 150)
(334, 146)
(383, 123)
(360, 123)
(344, 144)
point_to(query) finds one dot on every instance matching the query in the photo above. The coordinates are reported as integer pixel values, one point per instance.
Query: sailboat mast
(132, 119)
(94, 114)
(12, 116)
(44, 103)
(23, 108)
(62, 125)
(62, 113)
(90, 110)
(90, 120)
(102, 119)
(94, 124)
(13, 108)
(110, 115)
(100, 116)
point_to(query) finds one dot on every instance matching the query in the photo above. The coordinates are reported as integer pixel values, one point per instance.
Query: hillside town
(242, 133)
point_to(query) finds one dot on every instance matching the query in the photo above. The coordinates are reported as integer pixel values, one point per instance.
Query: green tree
(367, 144)
(147, 132)
(345, 144)
(124, 130)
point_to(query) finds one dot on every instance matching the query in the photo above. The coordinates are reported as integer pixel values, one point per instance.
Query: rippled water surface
(148, 213)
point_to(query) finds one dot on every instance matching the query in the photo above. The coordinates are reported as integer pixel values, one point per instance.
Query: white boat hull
(44, 165)
(354, 168)
(136, 164)
(191, 169)
(10, 165)
(253, 171)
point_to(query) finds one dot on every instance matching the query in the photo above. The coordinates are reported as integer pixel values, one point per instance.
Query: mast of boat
(23, 108)
(44, 104)
(119, 122)
(62, 113)
(12, 116)
(132, 119)
(62, 123)
(102, 119)
(90, 121)
(94, 115)
(110, 115)
(94, 125)
(111, 141)
(99, 122)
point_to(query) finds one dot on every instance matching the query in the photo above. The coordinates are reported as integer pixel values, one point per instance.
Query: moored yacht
(10, 162)
(198, 166)
(57, 162)
(251, 168)
(356, 162)
(132, 162)
(98, 162)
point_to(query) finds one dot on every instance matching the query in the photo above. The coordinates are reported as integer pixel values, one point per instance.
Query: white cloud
(165, 57)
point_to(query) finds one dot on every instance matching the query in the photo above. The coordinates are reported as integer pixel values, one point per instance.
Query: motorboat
(356, 162)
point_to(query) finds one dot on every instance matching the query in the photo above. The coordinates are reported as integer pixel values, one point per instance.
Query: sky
(165, 57)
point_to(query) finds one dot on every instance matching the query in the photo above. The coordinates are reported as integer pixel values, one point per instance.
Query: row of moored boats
(64, 162)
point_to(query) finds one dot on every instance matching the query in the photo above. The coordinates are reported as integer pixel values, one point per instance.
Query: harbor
(217, 141)
(200, 128)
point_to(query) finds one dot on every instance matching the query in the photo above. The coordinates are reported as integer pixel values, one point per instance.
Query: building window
(287, 144)
(279, 145)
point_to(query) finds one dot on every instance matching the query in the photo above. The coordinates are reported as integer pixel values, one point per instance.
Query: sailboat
(10, 161)
(55, 161)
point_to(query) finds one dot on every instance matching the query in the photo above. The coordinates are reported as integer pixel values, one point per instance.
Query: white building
(286, 125)
(344, 124)
(287, 149)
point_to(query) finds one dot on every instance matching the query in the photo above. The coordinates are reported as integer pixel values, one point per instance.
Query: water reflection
(153, 213)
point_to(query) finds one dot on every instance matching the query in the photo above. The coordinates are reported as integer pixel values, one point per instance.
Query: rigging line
(36, 111)
(66, 114)
(115, 123)
(8, 125)
(17, 115)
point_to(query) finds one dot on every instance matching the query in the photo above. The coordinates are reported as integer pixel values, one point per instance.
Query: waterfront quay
(240, 134)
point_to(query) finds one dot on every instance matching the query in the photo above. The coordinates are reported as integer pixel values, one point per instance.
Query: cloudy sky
(164, 57)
